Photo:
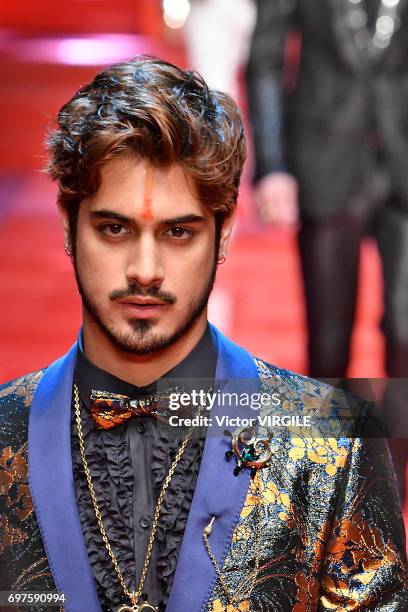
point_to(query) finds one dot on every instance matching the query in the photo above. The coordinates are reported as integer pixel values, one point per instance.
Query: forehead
(128, 183)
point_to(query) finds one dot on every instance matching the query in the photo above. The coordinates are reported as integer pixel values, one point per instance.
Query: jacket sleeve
(264, 75)
(23, 561)
(365, 566)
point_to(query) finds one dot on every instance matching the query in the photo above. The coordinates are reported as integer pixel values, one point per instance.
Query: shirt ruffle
(177, 502)
(113, 476)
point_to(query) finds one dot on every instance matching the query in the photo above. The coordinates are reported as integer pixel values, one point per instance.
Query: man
(117, 513)
(339, 139)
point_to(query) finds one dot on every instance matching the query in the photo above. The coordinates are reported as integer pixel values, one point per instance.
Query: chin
(139, 336)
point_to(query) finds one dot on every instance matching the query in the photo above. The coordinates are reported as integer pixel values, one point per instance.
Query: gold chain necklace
(244, 591)
(135, 595)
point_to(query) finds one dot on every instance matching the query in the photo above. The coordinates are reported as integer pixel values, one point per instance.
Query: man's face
(145, 255)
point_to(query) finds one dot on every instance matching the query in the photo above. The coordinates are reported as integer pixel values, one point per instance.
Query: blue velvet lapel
(52, 486)
(218, 492)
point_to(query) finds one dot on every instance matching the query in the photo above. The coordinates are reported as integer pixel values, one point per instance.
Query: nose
(144, 265)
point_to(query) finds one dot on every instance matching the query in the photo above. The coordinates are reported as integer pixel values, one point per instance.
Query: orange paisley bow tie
(111, 409)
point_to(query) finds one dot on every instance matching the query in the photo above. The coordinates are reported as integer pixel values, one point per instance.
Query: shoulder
(334, 409)
(272, 373)
(22, 558)
(20, 390)
(15, 400)
(297, 385)
(344, 434)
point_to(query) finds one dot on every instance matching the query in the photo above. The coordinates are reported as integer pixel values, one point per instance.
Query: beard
(141, 339)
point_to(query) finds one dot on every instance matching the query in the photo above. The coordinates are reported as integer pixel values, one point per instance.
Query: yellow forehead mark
(147, 212)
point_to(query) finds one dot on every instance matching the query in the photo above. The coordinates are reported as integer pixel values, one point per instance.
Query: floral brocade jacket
(318, 528)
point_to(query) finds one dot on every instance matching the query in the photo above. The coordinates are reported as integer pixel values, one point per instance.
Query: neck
(139, 370)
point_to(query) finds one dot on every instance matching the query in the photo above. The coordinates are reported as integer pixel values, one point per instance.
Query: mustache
(135, 290)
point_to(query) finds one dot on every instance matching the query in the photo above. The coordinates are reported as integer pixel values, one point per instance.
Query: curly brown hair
(158, 112)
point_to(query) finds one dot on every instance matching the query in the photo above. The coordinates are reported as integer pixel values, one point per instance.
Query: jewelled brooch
(249, 450)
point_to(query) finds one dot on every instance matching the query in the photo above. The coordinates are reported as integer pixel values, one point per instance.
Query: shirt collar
(199, 365)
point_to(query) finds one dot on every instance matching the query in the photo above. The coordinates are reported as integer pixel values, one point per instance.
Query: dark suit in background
(342, 131)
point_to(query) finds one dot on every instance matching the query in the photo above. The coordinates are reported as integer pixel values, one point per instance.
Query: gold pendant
(144, 607)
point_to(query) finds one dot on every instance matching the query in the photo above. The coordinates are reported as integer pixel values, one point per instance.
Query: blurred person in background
(333, 150)
(217, 38)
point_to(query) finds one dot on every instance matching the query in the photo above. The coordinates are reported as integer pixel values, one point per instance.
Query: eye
(114, 229)
(180, 233)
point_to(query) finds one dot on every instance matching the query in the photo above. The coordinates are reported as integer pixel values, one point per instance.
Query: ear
(65, 225)
(226, 230)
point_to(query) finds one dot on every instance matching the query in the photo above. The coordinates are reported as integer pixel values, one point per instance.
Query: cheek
(204, 260)
(87, 261)
(192, 270)
(200, 256)
(97, 268)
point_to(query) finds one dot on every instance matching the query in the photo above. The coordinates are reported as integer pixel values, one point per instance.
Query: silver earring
(221, 259)
(67, 249)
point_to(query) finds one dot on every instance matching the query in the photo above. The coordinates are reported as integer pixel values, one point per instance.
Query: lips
(143, 308)
(143, 301)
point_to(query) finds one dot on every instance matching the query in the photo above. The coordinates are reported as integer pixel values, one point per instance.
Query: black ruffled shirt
(128, 465)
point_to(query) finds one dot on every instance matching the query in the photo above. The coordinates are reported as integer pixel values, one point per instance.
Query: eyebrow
(184, 219)
(105, 213)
